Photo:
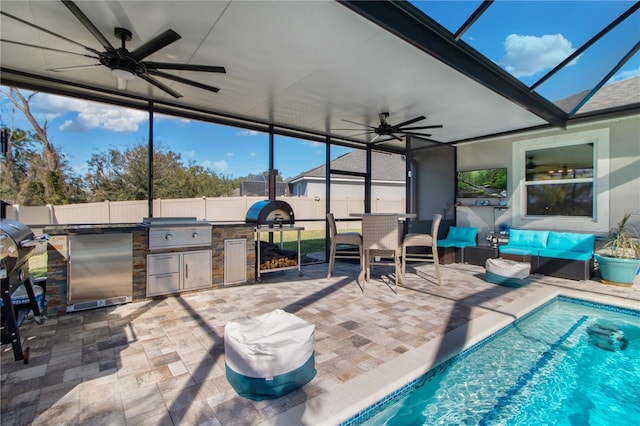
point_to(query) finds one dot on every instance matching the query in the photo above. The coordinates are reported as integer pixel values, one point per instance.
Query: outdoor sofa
(558, 254)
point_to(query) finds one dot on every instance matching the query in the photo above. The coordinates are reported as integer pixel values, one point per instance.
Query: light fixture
(122, 73)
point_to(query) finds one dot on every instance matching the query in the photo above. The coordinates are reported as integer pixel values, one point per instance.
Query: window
(559, 181)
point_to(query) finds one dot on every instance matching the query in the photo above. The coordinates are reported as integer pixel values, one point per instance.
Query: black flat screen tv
(482, 183)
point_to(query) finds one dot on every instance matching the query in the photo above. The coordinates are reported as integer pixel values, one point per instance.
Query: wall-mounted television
(482, 183)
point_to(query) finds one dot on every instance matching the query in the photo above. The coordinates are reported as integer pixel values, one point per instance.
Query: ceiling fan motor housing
(121, 62)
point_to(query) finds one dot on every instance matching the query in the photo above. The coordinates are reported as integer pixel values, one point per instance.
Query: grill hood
(17, 243)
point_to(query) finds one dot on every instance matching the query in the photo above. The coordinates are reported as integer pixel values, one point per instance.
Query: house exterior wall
(389, 190)
(617, 184)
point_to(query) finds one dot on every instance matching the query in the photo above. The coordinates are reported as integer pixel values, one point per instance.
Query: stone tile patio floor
(161, 362)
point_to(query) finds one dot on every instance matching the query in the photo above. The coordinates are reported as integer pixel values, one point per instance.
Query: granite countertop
(93, 228)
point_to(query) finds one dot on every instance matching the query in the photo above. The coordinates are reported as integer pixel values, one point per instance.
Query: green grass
(38, 265)
(310, 241)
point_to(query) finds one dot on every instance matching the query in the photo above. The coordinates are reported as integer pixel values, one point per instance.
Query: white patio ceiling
(303, 65)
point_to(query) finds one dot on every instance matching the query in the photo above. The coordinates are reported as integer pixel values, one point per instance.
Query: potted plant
(619, 258)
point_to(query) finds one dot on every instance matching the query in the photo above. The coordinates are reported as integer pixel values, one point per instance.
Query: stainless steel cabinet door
(100, 267)
(197, 269)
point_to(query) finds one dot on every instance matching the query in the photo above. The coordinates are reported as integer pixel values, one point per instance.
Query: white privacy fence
(308, 212)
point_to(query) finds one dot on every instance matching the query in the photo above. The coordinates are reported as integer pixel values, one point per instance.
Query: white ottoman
(270, 355)
(508, 273)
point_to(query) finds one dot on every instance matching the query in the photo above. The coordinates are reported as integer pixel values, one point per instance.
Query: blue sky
(80, 128)
(526, 38)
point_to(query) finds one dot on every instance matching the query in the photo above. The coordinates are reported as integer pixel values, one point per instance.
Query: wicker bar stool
(381, 237)
(345, 238)
(423, 240)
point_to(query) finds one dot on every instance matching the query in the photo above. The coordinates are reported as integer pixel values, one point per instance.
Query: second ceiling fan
(393, 130)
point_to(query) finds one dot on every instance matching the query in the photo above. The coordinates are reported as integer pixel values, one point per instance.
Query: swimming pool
(568, 362)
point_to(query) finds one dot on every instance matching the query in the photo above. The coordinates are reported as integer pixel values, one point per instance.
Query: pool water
(565, 364)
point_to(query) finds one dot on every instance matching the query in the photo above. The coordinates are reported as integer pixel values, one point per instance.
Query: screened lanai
(388, 73)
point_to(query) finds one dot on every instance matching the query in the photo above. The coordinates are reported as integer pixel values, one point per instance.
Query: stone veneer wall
(140, 250)
(57, 252)
(57, 255)
(221, 233)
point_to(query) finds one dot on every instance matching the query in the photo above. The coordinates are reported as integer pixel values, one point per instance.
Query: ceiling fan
(125, 65)
(386, 129)
(531, 165)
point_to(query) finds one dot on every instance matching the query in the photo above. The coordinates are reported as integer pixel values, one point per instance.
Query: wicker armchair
(423, 240)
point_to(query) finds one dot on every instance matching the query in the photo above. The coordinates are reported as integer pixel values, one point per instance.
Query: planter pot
(617, 271)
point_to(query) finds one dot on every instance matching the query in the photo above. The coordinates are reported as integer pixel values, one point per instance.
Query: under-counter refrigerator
(100, 270)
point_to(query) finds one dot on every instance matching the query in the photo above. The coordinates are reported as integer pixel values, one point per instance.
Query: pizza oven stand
(271, 230)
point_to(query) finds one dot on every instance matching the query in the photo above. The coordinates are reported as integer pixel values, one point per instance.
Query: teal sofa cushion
(518, 251)
(462, 234)
(571, 241)
(458, 244)
(565, 254)
(459, 237)
(526, 238)
(569, 245)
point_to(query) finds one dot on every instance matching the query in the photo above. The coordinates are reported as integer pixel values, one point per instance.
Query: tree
(116, 175)
(31, 176)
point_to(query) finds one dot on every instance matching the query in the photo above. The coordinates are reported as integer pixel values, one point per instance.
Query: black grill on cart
(17, 244)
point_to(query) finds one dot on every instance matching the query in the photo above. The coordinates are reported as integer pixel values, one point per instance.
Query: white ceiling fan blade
(74, 68)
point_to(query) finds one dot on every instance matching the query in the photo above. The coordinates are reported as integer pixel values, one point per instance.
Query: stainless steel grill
(177, 232)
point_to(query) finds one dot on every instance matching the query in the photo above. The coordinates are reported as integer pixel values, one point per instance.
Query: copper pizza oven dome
(270, 212)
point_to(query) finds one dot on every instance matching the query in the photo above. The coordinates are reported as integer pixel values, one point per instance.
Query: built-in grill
(178, 232)
(17, 244)
(270, 213)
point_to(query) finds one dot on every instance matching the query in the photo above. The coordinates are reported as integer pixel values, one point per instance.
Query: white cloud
(230, 154)
(246, 132)
(252, 154)
(312, 143)
(527, 55)
(189, 154)
(624, 75)
(221, 167)
(89, 115)
(178, 120)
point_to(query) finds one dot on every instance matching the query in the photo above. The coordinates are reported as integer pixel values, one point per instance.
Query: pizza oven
(270, 213)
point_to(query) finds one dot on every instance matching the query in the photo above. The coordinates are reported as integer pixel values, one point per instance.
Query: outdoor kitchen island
(58, 249)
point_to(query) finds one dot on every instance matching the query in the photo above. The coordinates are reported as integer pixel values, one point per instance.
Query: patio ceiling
(302, 67)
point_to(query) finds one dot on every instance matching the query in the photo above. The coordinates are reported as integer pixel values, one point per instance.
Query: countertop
(100, 228)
